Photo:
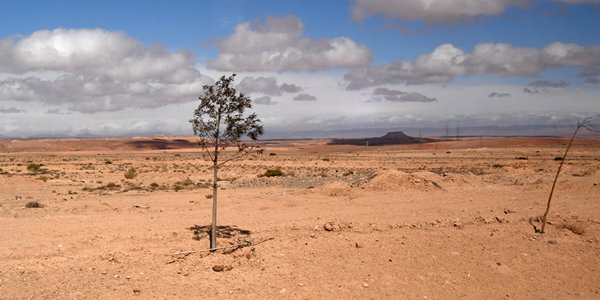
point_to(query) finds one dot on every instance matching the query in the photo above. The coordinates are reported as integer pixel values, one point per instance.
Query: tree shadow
(223, 231)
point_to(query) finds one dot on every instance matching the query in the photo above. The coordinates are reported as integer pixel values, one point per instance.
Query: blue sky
(136, 67)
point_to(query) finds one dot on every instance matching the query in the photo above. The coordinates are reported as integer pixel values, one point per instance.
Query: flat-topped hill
(391, 138)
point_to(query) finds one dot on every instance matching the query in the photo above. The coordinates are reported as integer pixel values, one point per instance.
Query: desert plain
(442, 220)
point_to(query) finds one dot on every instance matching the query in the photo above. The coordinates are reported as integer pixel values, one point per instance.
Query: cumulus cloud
(547, 83)
(267, 86)
(264, 100)
(448, 61)
(499, 95)
(399, 96)
(10, 110)
(278, 44)
(56, 111)
(305, 97)
(530, 91)
(431, 11)
(94, 70)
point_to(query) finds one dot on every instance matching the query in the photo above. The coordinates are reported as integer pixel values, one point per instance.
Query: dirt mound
(334, 188)
(397, 180)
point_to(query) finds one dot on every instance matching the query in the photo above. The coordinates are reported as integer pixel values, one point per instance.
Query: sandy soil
(438, 221)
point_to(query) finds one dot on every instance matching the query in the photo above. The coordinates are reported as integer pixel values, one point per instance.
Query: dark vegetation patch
(271, 173)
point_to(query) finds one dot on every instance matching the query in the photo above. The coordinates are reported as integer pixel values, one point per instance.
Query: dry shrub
(131, 173)
(34, 204)
(271, 173)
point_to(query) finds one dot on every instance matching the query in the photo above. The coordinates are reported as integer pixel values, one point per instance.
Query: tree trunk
(556, 179)
(213, 228)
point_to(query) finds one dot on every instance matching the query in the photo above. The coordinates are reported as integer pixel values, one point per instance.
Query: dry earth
(437, 221)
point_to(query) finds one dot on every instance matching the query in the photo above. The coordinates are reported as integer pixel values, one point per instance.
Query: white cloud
(264, 100)
(448, 61)
(266, 85)
(305, 97)
(530, 91)
(592, 80)
(430, 10)
(95, 70)
(499, 95)
(278, 45)
(10, 110)
(547, 83)
(399, 96)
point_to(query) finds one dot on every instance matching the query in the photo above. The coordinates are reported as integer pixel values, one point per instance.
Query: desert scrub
(131, 173)
(111, 186)
(34, 204)
(36, 168)
(132, 187)
(43, 178)
(271, 173)
(188, 184)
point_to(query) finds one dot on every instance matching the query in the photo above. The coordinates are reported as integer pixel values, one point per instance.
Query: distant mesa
(391, 138)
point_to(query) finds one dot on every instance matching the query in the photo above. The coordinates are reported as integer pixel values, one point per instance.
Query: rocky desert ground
(125, 218)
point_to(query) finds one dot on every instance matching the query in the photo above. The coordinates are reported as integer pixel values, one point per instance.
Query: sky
(135, 68)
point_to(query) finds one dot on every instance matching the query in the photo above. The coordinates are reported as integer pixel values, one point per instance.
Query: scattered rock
(136, 291)
(500, 219)
(328, 226)
(508, 211)
(552, 242)
(141, 206)
(359, 245)
(458, 224)
(365, 284)
(218, 268)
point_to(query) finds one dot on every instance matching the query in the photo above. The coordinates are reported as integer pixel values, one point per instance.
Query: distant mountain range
(359, 133)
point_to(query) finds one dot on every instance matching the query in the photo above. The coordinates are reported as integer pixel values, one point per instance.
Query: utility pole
(457, 131)
(447, 133)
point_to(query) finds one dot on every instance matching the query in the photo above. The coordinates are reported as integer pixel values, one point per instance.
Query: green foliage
(219, 118)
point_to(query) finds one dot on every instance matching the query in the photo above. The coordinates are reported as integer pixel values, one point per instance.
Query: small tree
(589, 123)
(220, 122)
